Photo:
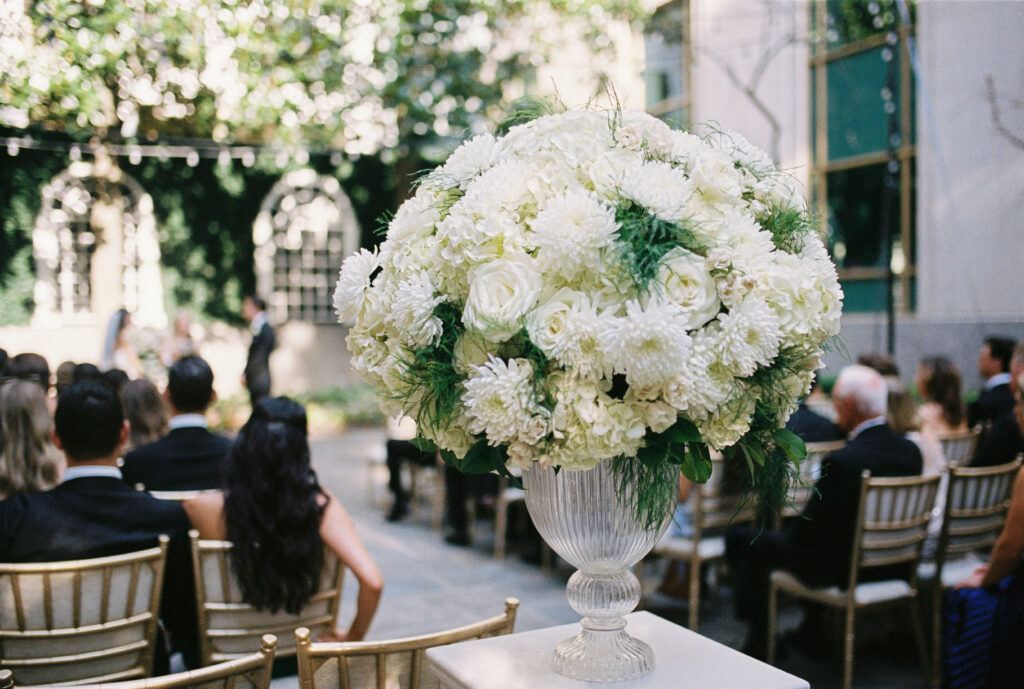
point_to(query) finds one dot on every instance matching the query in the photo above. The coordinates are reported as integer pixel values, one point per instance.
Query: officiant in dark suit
(94, 513)
(257, 365)
(189, 457)
(817, 547)
(995, 398)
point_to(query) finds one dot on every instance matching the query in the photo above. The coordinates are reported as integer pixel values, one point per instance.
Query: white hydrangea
(522, 233)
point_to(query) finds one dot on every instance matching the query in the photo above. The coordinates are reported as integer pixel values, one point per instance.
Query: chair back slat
(252, 671)
(386, 664)
(893, 521)
(958, 448)
(228, 626)
(59, 621)
(977, 501)
(802, 489)
(717, 506)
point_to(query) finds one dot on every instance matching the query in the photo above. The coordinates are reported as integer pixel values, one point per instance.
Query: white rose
(470, 350)
(714, 173)
(685, 280)
(549, 324)
(536, 428)
(659, 416)
(629, 136)
(500, 294)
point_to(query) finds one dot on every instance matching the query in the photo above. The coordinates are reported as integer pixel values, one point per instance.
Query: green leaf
(792, 444)
(482, 459)
(697, 465)
(754, 453)
(653, 454)
(424, 444)
(682, 431)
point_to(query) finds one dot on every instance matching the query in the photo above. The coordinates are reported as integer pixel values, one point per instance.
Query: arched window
(96, 249)
(304, 230)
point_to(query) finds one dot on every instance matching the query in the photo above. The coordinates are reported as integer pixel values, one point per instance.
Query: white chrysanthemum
(418, 215)
(729, 422)
(499, 400)
(412, 311)
(609, 170)
(467, 161)
(660, 188)
(750, 337)
(581, 350)
(353, 281)
(570, 232)
(647, 345)
(685, 147)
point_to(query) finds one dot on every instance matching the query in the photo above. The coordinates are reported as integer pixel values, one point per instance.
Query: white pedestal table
(682, 659)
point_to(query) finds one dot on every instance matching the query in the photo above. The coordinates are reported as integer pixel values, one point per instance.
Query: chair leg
(848, 647)
(773, 616)
(500, 527)
(694, 572)
(922, 648)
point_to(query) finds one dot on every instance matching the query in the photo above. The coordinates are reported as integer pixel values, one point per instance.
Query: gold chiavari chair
(228, 626)
(810, 470)
(958, 448)
(892, 524)
(715, 508)
(976, 503)
(81, 620)
(390, 663)
(251, 671)
(178, 495)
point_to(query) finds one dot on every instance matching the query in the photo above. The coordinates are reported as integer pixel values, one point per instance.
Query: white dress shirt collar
(84, 470)
(864, 425)
(257, 322)
(187, 421)
(997, 379)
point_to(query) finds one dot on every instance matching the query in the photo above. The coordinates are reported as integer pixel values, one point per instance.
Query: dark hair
(881, 362)
(29, 366)
(88, 420)
(190, 384)
(942, 386)
(145, 410)
(272, 508)
(116, 378)
(1001, 348)
(65, 375)
(257, 301)
(86, 372)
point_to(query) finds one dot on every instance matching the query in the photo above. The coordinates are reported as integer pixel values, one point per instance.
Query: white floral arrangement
(595, 285)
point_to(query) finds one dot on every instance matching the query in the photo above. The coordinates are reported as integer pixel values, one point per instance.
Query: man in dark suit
(189, 457)
(94, 513)
(995, 398)
(257, 365)
(817, 547)
(1001, 443)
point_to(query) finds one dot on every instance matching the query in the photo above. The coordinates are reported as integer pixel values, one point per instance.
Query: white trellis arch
(64, 241)
(304, 230)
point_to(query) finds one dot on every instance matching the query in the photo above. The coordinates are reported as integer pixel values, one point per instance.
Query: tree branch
(993, 104)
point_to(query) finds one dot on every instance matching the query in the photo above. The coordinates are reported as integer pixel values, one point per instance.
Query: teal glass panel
(860, 296)
(855, 216)
(857, 118)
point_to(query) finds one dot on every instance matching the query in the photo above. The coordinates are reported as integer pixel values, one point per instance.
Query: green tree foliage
(392, 85)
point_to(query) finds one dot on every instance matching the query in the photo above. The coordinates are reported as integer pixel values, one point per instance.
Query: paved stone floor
(430, 585)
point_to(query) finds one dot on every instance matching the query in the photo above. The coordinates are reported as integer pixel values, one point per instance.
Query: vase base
(603, 656)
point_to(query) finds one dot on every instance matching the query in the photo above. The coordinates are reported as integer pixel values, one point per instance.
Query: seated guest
(29, 461)
(995, 398)
(942, 409)
(189, 457)
(92, 513)
(145, 410)
(401, 450)
(64, 376)
(86, 371)
(33, 367)
(1003, 578)
(1001, 443)
(817, 547)
(281, 520)
(811, 426)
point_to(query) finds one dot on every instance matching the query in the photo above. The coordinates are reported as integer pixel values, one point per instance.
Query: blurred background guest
(995, 398)
(64, 376)
(118, 349)
(29, 461)
(146, 411)
(178, 342)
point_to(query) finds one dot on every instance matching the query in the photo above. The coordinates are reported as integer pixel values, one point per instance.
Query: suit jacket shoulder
(184, 459)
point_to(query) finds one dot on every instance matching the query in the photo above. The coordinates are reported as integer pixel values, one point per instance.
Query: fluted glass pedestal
(582, 516)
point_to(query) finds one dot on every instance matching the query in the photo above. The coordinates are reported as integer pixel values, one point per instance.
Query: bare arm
(339, 534)
(1009, 548)
(206, 512)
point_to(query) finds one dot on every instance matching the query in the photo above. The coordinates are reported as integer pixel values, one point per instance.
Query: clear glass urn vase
(585, 519)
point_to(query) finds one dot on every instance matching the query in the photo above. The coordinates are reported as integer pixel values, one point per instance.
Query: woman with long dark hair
(279, 519)
(938, 384)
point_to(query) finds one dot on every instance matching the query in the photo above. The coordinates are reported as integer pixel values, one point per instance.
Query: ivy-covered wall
(204, 217)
